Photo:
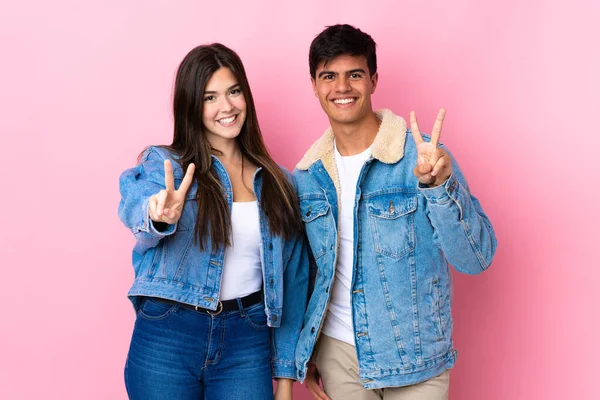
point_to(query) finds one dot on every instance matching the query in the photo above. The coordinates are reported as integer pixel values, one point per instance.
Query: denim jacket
(169, 263)
(405, 237)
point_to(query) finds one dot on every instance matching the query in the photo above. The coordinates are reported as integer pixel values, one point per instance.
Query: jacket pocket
(437, 308)
(435, 319)
(316, 215)
(392, 223)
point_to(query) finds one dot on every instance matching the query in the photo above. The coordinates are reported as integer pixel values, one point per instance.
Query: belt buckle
(219, 310)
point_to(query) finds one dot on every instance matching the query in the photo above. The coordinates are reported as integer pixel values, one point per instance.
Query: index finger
(169, 180)
(437, 127)
(414, 128)
(188, 178)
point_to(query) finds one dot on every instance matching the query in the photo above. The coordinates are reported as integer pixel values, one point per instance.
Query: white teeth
(226, 121)
(343, 101)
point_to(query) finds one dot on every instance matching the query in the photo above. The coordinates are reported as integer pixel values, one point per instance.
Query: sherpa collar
(388, 146)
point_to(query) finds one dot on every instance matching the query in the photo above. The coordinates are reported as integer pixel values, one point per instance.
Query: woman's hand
(166, 205)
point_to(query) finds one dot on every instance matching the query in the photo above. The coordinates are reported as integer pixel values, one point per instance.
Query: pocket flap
(392, 205)
(312, 209)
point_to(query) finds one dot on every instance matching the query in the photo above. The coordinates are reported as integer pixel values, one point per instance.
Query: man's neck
(351, 139)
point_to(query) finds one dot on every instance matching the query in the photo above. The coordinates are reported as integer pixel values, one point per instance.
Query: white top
(338, 322)
(242, 271)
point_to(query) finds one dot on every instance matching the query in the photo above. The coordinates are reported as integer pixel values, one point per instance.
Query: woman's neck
(228, 151)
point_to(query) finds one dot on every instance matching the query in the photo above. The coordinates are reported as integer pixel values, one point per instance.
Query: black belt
(226, 305)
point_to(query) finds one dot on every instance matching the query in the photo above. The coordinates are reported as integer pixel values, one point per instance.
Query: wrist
(438, 182)
(285, 382)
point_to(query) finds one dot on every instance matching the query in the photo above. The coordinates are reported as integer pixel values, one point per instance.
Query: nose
(343, 85)
(226, 104)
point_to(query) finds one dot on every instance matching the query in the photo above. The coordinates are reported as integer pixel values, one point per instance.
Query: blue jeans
(181, 354)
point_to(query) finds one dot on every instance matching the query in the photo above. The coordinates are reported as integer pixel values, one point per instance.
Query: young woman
(221, 270)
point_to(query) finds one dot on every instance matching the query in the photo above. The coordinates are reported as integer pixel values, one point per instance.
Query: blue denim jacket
(169, 264)
(405, 237)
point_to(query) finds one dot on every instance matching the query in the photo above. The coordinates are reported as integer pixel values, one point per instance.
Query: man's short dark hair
(337, 40)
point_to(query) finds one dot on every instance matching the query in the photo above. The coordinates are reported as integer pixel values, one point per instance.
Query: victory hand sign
(166, 205)
(433, 163)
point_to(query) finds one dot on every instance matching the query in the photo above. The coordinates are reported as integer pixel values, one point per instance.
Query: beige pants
(338, 366)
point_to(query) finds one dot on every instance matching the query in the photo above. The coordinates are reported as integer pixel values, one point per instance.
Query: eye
(355, 75)
(235, 92)
(327, 77)
(209, 98)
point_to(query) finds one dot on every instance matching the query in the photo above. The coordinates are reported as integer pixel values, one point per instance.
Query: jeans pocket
(154, 310)
(256, 317)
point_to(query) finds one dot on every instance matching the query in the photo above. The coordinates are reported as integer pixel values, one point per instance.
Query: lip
(345, 105)
(232, 122)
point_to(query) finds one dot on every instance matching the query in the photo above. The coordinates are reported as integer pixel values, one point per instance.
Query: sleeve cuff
(441, 194)
(149, 226)
(285, 369)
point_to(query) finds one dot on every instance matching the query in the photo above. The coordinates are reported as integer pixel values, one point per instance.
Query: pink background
(84, 86)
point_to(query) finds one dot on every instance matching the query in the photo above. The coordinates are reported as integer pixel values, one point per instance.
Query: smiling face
(224, 107)
(344, 89)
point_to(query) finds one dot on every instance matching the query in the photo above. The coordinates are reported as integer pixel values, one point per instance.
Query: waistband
(225, 305)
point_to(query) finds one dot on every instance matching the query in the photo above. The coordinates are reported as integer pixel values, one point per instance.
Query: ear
(374, 79)
(314, 85)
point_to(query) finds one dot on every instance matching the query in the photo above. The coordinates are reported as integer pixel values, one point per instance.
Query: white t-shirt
(242, 271)
(338, 322)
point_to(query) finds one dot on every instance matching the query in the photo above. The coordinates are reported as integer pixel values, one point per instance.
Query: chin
(347, 119)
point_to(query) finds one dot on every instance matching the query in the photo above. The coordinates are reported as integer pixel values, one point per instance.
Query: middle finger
(437, 127)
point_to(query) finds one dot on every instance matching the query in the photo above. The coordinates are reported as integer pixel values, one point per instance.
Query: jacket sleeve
(137, 185)
(295, 295)
(461, 228)
(295, 298)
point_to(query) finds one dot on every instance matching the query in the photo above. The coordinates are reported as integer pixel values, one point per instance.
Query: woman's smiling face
(224, 107)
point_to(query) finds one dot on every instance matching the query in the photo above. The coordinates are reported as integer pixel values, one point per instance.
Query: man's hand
(166, 205)
(284, 389)
(433, 164)
(312, 383)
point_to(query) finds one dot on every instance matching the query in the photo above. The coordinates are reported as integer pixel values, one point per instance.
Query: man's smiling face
(344, 88)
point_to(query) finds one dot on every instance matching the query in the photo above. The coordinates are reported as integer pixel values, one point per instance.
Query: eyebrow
(228, 89)
(352, 71)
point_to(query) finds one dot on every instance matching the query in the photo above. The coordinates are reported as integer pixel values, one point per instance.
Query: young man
(386, 211)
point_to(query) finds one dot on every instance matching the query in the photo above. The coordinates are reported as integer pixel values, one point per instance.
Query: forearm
(462, 230)
(295, 296)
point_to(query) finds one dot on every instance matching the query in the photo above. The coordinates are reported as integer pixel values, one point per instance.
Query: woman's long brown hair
(278, 198)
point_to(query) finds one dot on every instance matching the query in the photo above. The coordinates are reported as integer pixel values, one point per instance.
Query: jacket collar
(388, 146)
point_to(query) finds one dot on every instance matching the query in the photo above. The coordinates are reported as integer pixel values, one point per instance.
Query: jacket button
(327, 290)
(312, 330)
(274, 318)
(270, 246)
(309, 211)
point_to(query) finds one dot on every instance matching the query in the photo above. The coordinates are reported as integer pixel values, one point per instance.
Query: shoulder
(156, 156)
(157, 153)
(289, 176)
